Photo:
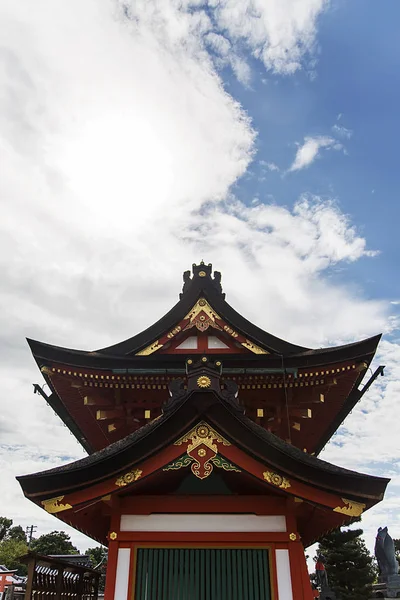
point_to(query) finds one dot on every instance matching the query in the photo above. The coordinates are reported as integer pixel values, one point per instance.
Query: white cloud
(278, 32)
(119, 145)
(309, 151)
(342, 132)
(270, 166)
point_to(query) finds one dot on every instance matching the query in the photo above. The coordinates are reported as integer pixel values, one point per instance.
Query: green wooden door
(202, 574)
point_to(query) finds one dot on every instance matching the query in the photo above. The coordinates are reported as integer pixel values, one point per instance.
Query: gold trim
(202, 434)
(128, 478)
(277, 480)
(203, 381)
(176, 330)
(46, 370)
(54, 505)
(150, 349)
(253, 347)
(202, 306)
(353, 509)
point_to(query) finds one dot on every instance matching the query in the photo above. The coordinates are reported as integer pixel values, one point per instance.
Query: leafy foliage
(99, 555)
(5, 525)
(349, 564)
(56, 542)
(10, 551)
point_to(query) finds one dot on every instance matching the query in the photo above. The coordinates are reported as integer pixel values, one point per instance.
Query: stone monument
(388, 585)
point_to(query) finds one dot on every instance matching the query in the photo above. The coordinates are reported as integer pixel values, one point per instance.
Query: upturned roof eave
(48, 353)
(246, 434)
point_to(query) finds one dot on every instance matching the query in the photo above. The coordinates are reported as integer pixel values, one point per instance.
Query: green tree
(16, 533)
(349, 565)
(10, 551)
(98, 556)
(56, 542)
(5, 525)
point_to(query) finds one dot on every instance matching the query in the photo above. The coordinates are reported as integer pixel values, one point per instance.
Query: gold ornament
(128, 478)
(353, 509)
(203, 381)
(202, 274)
(201, 452)
(113, 536)
(54, 505)
(276, 479)
(293, 537)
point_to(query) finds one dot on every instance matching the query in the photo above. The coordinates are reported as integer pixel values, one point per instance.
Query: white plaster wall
(203, 522)
(283, 575)
(122, 577)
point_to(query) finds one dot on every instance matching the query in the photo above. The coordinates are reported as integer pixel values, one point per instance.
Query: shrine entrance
(202, 574)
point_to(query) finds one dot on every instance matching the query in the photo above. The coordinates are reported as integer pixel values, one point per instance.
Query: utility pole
(29, 534)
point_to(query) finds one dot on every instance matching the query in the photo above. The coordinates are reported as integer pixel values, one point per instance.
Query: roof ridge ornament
(202, 274)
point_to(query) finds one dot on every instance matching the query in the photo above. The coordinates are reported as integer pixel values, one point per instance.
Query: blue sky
(137, 138)
(356, 86)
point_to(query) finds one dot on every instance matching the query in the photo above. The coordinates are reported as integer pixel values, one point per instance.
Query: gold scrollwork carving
(54, 505)
(174, 332)
(128, 478)
(276, 479)
(253, 347)
(202, 306)
(202, 434)
(150, 349)
(353, 508)
(231, 331)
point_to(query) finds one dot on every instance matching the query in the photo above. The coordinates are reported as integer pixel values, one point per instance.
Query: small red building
(203, 433)
(7, 578)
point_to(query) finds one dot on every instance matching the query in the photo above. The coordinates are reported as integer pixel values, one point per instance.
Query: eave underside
(302, 404)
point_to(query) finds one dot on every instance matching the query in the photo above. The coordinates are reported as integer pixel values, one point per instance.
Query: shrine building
(203, 434)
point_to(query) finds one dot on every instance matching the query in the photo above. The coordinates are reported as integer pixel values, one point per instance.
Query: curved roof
(203, 285)
(222, 410)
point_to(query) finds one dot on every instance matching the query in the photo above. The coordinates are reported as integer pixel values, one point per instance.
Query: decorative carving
(179, 463)
(174, 332)
(46, 370)
(186, 460)
(113, 536)
(202, 448)
(203, 381)
(54, 505)
(128, 478)
(353, 509)
(277, 480)
(254, 348)
(231, 331)
(202, 316)
(150, 349)
(220, 462)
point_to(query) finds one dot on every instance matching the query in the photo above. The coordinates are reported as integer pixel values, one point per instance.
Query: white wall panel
(122, 577)
(203, 522)
(283, 575)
